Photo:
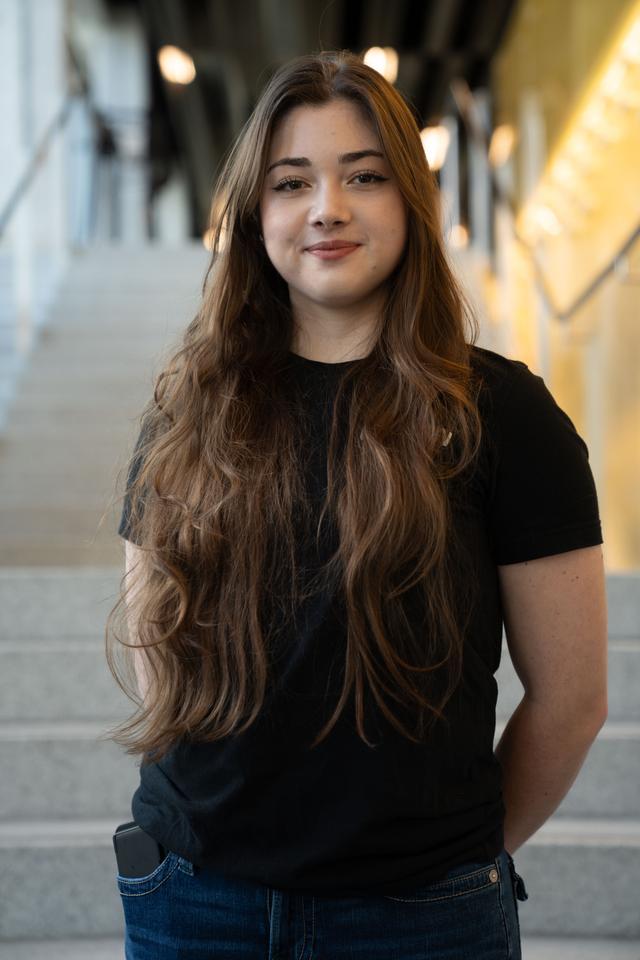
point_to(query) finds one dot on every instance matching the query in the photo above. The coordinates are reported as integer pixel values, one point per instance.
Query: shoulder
(489, 362)
(498, 374)
(510, 395)
(540, 492)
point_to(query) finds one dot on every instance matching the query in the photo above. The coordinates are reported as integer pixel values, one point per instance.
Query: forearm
(541, 752)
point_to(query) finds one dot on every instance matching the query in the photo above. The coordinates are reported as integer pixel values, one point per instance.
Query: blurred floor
(532, 949)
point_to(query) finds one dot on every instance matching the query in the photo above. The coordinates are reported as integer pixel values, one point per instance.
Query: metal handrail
(38, 157)
(611, 267)
(39, 154)
(467, 108)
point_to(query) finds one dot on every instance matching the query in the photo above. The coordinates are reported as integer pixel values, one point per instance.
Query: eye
(286, 182)
(368, 173)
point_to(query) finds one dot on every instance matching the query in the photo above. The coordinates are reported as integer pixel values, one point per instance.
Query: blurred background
(115, 117)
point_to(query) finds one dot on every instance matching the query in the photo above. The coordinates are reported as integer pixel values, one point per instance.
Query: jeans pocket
(461, 881)
(141, 886)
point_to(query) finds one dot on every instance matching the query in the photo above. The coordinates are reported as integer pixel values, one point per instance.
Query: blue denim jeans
(182, 912)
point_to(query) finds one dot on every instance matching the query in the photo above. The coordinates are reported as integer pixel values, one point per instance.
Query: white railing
(69, 181)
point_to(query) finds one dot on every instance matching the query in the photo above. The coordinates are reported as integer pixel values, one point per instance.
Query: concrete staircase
(73, 420)
(64, 787)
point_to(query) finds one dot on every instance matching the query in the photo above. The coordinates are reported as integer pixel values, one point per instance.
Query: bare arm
(556, 626)
(133, 557)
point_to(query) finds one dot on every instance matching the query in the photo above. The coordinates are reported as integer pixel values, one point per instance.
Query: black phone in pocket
(137, 854)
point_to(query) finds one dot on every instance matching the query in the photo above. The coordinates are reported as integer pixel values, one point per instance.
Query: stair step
(533, 948)
(69, 870)
(91, 541)
(40, 834)
(56, 601)
(569, 948)
(33, 524)
(59, 731)
(103, 948)
(571, 866)
(99, 777)
(623, 604)
(58, 680)
(586, 831)
(79, 375)
(103, 550)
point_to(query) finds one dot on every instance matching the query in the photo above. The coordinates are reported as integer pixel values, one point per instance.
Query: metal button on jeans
(493, 875)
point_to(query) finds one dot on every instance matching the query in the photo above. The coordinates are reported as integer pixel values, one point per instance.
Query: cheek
(271, 218)
(278, 227)
(266, 220)
(400, 221)
(399, 235)
(394, 237)
(390, 223)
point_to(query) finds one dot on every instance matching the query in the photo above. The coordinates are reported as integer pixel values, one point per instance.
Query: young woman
(335, 503)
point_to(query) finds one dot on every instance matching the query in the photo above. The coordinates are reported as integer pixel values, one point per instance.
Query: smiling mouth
(333, 253)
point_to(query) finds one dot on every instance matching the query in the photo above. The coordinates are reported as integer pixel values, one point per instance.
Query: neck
(334, 336)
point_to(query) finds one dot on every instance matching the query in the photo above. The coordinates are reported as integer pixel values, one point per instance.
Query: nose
(330, 207)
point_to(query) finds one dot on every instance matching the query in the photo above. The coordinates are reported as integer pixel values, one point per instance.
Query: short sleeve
(543, 499)
(124, 528)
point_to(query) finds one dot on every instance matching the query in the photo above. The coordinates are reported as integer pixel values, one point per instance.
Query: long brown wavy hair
(217, 486)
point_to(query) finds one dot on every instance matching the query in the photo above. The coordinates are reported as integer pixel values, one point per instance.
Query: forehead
(336, 121)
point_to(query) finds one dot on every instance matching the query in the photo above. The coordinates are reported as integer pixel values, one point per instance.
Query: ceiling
(237, 44)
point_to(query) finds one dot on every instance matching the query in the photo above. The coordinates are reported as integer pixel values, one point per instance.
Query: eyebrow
(342, 158)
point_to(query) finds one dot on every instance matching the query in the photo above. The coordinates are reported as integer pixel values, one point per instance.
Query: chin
(339, 303)
(343, 293)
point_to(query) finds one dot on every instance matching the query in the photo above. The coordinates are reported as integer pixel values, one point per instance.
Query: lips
(332, 249)
(333, 245)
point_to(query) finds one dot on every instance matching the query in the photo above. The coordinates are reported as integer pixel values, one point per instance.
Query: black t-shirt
(344, 818)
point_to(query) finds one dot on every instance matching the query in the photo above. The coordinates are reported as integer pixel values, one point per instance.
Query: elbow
(584, 715)
(602, 713)
(594, 714)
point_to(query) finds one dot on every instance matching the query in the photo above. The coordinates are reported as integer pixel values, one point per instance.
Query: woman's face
(317, 194)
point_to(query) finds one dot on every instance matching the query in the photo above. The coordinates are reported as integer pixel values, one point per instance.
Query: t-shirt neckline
(297, 358)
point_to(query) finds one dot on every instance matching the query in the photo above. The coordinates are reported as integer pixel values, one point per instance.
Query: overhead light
(176, 66)
(458, 237)
(503, 139)
(581, 150)
(435, 141)
(548, 219)
(630, 49)
(598, 121)
(614, 78)
(564, 172)
(384, 60)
